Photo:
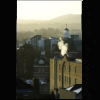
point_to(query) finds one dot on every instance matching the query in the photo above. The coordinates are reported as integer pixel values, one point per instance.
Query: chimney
(36, 85)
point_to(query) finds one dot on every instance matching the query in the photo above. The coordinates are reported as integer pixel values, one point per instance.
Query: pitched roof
(42, 58)
(22, 85)
(71, 45)
(77, 88)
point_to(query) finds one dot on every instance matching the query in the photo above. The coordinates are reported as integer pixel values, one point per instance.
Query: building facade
(41, 68)
(64, 73)
(41, 43)
(44, 88)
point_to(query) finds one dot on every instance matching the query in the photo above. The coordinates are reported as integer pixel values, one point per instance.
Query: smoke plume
(63, 47)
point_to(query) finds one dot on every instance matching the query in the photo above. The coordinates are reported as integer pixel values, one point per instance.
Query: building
(72, 50)
(72, 92)
(75, 36)
(25, 91)
(41, 43)
(50, 43)
(44, 88)
(47, 44)
(28, 42)
(20, 45)
(34, 40)
(41, 68)
(54, 41)
(78, 44)
(64, 72)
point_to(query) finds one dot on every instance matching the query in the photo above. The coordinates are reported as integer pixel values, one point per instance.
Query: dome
(66, 33)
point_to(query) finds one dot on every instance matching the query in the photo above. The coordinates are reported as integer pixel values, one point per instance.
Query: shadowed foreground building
(72, 92)
(26, 91)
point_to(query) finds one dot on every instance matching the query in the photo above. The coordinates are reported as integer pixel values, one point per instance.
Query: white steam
(63, 47)
(49, 37)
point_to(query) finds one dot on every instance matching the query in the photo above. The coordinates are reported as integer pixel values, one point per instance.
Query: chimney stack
(36, 85)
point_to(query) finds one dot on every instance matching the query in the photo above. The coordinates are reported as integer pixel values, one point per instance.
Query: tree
(25, 55)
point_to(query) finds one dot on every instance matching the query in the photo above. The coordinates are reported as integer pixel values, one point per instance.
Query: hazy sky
(46, 10)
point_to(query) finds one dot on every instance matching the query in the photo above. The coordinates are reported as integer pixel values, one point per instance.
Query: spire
(66, 25)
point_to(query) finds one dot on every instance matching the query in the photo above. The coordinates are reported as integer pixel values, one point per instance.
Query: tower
(66, 32)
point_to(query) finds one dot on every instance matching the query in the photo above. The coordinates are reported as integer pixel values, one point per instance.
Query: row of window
(41, 70)
(68, 68)
(41, 77)
(43, 89)
(66, 79)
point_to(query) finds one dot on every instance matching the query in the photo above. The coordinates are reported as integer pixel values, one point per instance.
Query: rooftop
(23, 85)
(77, 88)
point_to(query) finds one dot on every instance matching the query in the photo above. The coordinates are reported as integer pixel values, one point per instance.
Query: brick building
(44, 88)
(41, 68)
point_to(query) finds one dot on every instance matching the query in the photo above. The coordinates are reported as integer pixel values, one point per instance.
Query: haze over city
(49, 50)
(46, 10)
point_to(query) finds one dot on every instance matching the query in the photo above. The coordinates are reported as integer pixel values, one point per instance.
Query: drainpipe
(69, 73)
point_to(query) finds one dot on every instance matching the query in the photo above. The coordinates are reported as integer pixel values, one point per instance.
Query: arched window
(65, 66)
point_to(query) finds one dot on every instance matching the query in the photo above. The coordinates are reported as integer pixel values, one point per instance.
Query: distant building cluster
(58, 73)
(43, 43)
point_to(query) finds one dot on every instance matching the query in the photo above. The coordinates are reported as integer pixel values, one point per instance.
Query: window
(65, 67)
(42, 70)
(59, 78)
(75, 80)
(75, 69)
(59, 66)
(69, 68)
(69, 80)
(39, 70)
(65, 79)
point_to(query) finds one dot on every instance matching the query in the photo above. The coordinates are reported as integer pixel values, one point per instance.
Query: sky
(46, 10)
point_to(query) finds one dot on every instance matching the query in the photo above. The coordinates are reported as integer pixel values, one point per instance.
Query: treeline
(25, 60)
(50, 32)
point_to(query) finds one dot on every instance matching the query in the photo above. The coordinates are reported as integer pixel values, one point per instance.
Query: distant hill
(29, 21)
(72, 20)
(69, 18)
